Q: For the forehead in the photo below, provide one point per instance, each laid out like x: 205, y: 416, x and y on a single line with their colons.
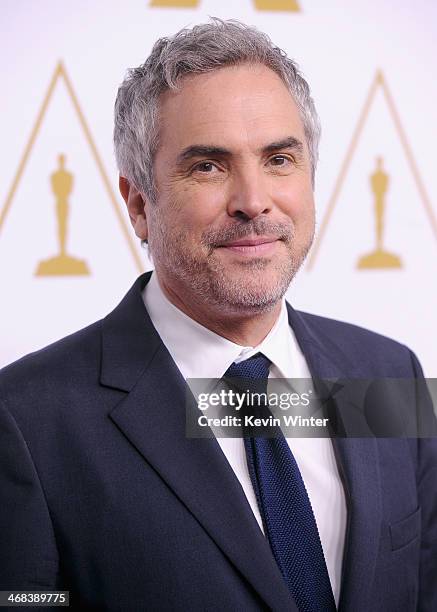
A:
x: 237, y: 107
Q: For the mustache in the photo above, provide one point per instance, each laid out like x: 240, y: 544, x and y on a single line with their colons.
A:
x: 258, y: 227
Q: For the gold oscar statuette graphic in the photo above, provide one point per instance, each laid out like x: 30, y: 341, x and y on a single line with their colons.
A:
x: 379, y: 258
x: 261, y: 5
x: 62, y: 264
x: 277, y: 5
x: 379, y: 183
x: 62, y: 185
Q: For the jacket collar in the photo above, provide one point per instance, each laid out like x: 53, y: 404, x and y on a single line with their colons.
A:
x: 129, y: 340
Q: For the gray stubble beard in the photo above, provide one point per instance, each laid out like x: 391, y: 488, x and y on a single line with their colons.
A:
x: 207, y: 279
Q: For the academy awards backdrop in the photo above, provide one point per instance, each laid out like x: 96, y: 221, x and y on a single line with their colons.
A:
x: 67, y: 252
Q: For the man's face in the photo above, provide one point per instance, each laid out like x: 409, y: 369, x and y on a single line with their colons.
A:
x: 234, y: 216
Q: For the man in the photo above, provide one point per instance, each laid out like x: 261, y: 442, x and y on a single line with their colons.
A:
x: 103, y: 494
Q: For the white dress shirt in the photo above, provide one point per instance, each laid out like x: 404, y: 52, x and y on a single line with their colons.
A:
x: 200, y: 353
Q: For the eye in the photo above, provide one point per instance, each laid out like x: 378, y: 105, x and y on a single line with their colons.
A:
x: 280, y: 161
x: 205, y: 167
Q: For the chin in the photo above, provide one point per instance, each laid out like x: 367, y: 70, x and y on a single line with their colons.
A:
x: 250, y: 307
x: 238, y: 295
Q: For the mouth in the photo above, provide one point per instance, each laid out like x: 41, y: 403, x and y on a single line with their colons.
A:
x: 258, y: 245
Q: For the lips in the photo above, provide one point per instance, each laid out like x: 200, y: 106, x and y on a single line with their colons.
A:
x: 251, y: 242
x: 258, y: 245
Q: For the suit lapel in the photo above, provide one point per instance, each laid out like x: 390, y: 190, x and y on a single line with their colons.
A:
x: 358, y: 464
x: 152, y: 416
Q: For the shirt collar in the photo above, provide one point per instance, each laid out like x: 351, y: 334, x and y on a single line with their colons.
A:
x: 201, y: 353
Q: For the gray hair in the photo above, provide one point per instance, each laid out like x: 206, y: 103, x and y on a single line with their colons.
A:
x: 203, y: 48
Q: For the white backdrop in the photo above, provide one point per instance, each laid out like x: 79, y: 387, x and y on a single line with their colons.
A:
x: 340, y: 45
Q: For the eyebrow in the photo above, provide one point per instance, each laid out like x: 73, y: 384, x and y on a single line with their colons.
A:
x: 201, y: 150
x: 287, y: 143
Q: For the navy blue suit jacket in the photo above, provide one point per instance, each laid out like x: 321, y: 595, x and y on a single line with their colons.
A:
x: 102, y: 493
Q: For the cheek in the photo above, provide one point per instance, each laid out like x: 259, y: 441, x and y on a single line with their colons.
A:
x: 296, y: 202
x: 199, y: 208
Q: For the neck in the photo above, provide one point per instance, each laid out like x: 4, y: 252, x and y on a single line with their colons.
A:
x: 246, y: 328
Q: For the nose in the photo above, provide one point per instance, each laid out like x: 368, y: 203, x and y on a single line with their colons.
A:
x: 249, y: 195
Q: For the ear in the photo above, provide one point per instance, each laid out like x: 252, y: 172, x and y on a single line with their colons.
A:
x: 136, y: 206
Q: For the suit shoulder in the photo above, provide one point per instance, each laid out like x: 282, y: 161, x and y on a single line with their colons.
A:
x: 63, y: 360
x: 374, y: 350
x: 350, y: 331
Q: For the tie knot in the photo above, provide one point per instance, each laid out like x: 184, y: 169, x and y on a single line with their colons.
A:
x: 255, y: 367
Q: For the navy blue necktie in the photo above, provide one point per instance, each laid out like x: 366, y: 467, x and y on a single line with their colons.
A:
x: 284, y: 505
